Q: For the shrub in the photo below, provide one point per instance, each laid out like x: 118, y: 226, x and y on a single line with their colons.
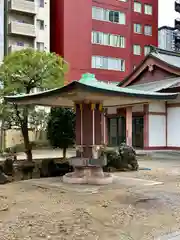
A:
x: 123, y: 159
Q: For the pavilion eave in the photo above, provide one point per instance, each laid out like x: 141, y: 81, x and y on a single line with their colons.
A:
x: 88, y: 89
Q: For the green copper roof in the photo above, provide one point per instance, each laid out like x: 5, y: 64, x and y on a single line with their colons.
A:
x: 89, y: 84
x: 90, y: 80
x: 156, y: 85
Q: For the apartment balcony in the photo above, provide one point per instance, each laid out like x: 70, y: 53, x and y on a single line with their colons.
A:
x: 177, y: 6
x: 23, y: 6
x: 177, y: 23
x: 13, y: 48
x: 20, y: 28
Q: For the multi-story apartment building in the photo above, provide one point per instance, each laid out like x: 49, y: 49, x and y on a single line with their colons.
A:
x: 1, y: 30
x: 166, y: 38
x: 105, y: 37
x: 169, y: 37
x: 26, y: 24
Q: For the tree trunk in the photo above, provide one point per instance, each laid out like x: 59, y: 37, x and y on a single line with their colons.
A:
x: 25, y: 133
x: 27, y: 144
x: 64, y: 153
x: 2, y: 135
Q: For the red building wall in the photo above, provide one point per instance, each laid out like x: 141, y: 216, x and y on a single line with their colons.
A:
x: 71, y: 27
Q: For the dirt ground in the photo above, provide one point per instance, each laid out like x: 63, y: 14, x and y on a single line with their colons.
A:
x: 48, y: 209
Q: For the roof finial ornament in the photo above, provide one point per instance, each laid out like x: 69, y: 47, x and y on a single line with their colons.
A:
x: 150, y: 67
x: 87, y: 77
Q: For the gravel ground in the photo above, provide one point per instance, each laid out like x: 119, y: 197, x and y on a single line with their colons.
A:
x: 35, y: 210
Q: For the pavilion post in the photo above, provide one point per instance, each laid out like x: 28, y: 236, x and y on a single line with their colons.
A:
x: 93, y: 124
x: 129, y: 126
x: 81, y: 128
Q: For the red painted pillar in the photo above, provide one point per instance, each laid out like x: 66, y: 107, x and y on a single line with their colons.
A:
x: 104, y: 123
x: 129, y: 126
x: 88, y: 127
x: 146, y: 126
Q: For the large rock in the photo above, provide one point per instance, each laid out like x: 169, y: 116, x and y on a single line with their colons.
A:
x: 50, y: 168
x: 113, y: 160
x: 8, y: 167
x: 128, y: 157
x: 123, y: 159
x: 25, y: 168
x: 3, y: 177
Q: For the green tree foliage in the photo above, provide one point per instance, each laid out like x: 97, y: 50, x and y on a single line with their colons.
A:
x: 61, y: 128
x: 23, y: 72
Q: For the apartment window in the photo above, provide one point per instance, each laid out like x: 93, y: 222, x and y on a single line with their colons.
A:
x: 98, y: 13
x: 41, y: 3
x: 108, y: 39
x: 20, y: 44
x: 137, y: 7
x: 137, y: 28
x: 108, y: 63
x: 148, y: 30
x: 136, y: 49
x: 147, y: 50
x: 148, y: 9
x: 40, y: 46
x: 97, y: 38
x: 20, y: 21
x: 40, y: 24
x: 108, y: 15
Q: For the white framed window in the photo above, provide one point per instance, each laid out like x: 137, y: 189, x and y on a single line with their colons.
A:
x: 40, y: 24
x: 137, y: 28
x: 136, y: 49
x: 137, y: 7
x: 97, y: 37
x: 108, y: 39
x: 148, y: 30
x: 108, y: 63
x: 20, y: 44
x: 40, y: 46
x: 148, y: 9
x: 147, y: 50
x: 98, y: 13
x: 41, y: 3
x: 108, y: 15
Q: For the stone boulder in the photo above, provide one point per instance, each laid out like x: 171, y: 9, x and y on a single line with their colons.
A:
x: 113, y: 160
x: 3, y: 177
x: 124, y: 159
x: 8, y: 167
x: 128, y: 157
x: 50, y: 168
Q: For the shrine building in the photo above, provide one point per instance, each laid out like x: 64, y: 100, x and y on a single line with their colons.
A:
x: 143, y: 110
x: 155, y: 125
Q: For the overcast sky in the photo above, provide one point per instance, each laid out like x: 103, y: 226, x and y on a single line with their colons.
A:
x: 167, y: 13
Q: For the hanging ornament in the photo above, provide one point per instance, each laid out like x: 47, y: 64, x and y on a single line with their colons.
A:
x: 74, y: 108
x: 100, y: 107
x: 93, y: 105
x: 81, y: 106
